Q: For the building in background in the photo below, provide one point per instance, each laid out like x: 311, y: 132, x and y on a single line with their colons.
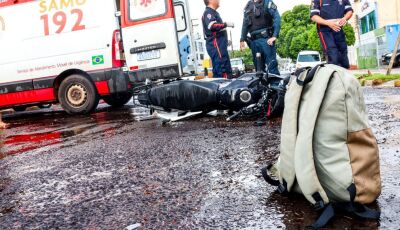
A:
x: 200, y: 49
x: 377, y: 24
x: 201, y: 53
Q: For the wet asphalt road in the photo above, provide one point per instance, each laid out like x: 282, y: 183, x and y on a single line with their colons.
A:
x: 108, y: 171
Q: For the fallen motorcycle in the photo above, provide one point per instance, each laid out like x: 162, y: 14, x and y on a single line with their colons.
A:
x: 251, y: 95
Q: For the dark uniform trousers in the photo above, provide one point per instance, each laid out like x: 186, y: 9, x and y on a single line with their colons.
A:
x: 335, y: 46
x: 217, y: 49
x: 268, y: 55
x: 217, y: 43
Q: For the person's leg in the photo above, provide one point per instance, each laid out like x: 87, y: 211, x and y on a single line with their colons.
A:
x: 340, y: 39
x: 212, y: 52
x: 329, y: 46
x: 225, y: 59
x: 254, y: 53
x: 270, y: 58
x: 258, y: 48
x: 216, y: 62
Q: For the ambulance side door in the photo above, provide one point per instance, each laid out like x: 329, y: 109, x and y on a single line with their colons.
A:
x: 150, y: 39
x: 185, y: 36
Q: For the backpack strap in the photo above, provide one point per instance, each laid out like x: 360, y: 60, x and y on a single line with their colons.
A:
x: 285, y: 166
x: 267, y: 177
x: 357, y: 210
x: 305, y: 170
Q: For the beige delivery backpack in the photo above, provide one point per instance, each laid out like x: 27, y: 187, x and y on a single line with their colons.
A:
x: 328, y: 151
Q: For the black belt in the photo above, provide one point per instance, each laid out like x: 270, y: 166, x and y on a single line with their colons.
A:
x: 257, y: 36
x: 261, y: 34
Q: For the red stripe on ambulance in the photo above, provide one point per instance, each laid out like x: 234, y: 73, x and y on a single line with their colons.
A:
x: 26, y: 97
x: 102, y: 87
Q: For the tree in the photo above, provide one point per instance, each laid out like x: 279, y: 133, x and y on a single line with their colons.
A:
x: 245, y: 54
x: 299, y: 33
x: 350, y: 35
x: 293, y: 36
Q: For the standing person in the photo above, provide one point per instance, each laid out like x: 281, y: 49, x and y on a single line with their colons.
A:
x: 263, y: 22
x: 331, y: 16
x: 217, y: 39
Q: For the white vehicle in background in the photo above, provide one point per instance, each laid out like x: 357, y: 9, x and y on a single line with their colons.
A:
x: 238, y: 63
x: 76, y: 52
x: 308, y: 59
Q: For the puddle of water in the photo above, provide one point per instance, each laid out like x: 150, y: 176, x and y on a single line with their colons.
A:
x: 54, y: 130
x: 18, y: 144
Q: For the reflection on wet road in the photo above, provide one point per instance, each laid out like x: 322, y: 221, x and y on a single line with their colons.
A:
x: 41, y: 130
x: 108, y: 171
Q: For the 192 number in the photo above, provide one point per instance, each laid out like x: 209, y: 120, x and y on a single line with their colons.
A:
x: 60, y: 20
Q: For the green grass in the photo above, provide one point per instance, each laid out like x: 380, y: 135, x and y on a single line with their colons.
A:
x: 383, y: 77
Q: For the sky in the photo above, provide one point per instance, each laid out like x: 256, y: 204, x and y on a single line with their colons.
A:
x: 232, y: 11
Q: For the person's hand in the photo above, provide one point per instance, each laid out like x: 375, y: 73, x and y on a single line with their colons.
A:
x: 334, y: 25
x: 230, y: 24
x: 342, y: 22
x: 242, y: 46
x: 271, y: 41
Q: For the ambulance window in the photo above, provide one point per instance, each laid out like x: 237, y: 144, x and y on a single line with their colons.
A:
x: 180, y: 18
x: 145, y: 9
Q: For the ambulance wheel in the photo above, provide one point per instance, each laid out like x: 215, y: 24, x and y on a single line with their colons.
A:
x: 78, y: 95
x: 20, y: 108
x: 118, y: 100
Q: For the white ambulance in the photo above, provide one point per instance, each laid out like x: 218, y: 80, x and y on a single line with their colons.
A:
x: 76, y: 52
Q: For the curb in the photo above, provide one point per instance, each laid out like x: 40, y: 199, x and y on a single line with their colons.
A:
x: 380, y: 84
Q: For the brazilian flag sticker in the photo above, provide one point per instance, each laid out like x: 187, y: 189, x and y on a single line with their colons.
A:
x: 98, y: 60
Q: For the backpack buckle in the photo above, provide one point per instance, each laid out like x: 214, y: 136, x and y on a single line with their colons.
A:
x: 282, y: 188
x: 319, y: 202
x: 319, y: 205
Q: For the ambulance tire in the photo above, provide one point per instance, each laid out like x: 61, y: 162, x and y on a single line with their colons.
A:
x: 78, y: 95
x: 119, y: 100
